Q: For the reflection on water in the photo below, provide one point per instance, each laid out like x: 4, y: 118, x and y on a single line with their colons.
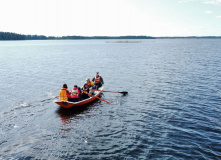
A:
x: 65, y: 125
x: 67, y: 115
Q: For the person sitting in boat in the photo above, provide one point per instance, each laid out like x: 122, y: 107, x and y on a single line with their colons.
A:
x: 85, y: 88
x: 91, y: 90
x: 79, y: 92
x: 98, y: 80
x: 64, y: 94
x: 89, y: 82
x: 74, y: 94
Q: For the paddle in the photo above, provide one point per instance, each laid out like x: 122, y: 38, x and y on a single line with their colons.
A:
x: 124, y: 92
x: 96, y: 97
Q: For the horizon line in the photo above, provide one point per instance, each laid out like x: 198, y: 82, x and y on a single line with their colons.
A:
x: 193, y: 36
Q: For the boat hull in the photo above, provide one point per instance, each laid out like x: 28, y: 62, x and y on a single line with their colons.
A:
x: 68, y: 104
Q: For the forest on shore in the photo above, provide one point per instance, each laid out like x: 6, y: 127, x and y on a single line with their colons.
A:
x: 15, y: 36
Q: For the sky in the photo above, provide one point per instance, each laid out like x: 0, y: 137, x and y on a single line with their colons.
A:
x: 111, y: 17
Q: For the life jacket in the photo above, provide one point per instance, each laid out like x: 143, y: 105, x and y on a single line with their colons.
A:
x: 63, y: 95
x: 74, y: 92
x: 91, y: 83
x: 74, y: 96
x: 97, y: 79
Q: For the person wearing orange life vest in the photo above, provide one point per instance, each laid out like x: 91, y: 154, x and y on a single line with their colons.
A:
x: 98, y: 80
x: 64, y: 94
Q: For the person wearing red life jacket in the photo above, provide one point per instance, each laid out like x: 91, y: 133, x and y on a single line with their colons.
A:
x: 75, y: 93
x: 98, y: 80
x: 64, y: 94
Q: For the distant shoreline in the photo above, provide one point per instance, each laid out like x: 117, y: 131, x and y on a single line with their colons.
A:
x: 191, y: 37
x: 14, y: 36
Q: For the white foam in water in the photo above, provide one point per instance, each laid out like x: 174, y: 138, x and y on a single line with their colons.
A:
x: 24, y: 104
x: 50, y: 95
x: 15, y: 126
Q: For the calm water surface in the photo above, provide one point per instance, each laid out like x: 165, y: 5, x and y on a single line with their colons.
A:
x: 172, y: 111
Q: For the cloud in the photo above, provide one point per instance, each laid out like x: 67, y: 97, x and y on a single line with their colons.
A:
x: 198, y: 27
x: 185, y: 1
x: 208, y: 12
x: 209, y: 2
x: 212, y: 2
x: 218, y: 16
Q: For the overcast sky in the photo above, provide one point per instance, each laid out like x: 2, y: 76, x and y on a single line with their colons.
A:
x: 111, y: 17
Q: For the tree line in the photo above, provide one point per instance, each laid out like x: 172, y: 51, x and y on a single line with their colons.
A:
x: 15, y: 36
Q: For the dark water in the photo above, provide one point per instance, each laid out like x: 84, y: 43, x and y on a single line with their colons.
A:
x: 172, y: 111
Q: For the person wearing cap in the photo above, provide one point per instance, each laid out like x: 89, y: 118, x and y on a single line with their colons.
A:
x: 98, y: 80
x: 64, y: 94
x: 89, y: 83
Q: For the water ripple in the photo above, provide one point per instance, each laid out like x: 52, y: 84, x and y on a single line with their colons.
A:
x: 172, y: 110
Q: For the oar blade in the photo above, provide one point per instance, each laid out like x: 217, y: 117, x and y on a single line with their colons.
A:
x: 124, y: 93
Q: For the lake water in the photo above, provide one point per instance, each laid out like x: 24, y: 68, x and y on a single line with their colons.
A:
x: 172, y: 110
